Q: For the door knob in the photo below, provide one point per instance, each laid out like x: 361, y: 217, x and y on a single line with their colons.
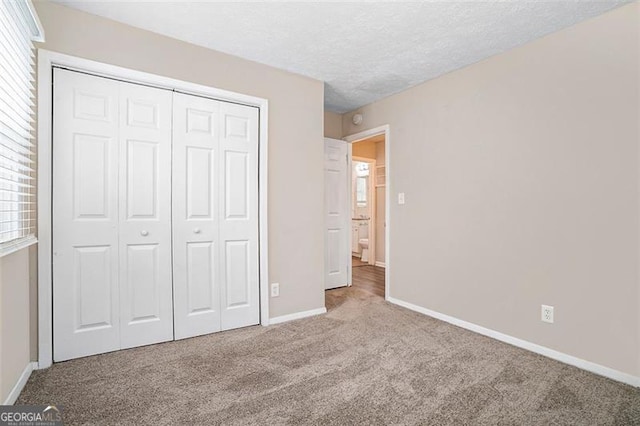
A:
x: 144, y: 233
x: 196, y: 231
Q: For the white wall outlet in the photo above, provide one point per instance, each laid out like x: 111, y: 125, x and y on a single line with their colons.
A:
x: 401, y: 198
x: 546, y: 314
x: 275, y: 289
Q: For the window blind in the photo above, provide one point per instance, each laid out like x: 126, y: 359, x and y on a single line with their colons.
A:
x: 18, y: 28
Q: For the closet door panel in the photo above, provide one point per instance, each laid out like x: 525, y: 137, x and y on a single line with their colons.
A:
x: 239, y: 215
x: 85, y: 216
x: 146, y: 303
x: 196, y: 246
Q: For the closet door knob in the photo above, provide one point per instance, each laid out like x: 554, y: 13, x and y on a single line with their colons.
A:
x: 144, y: 233
x: 196, y: 231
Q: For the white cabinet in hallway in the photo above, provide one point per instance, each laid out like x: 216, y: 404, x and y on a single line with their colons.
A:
x: 155, y: 215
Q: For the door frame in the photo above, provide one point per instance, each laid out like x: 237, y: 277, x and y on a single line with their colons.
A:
x: 47, y: 60
x: 366, y: 134
x: 372, y: 204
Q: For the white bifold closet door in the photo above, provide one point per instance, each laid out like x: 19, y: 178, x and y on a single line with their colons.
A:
x: 215, y: 215
x: 111, y: 215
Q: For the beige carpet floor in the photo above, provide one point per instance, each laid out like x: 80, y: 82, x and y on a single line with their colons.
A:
x: 365, y: 362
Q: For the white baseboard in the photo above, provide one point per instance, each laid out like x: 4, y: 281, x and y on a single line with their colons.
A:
x: 541, y: 350
x: 380, y: 264
x: 22, y: 380
x: 297, y: 315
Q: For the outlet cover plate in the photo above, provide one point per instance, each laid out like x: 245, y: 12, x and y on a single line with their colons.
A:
x: 546, y: 314
x: 275, y: 289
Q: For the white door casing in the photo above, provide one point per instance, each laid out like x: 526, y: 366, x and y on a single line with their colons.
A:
x: 337, y: 213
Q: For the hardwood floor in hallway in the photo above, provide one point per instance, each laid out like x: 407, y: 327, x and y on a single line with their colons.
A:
x: 370, y: 279
x: 355, y: 262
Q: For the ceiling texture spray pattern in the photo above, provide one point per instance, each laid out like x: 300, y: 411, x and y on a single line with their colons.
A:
x: 363, y: 51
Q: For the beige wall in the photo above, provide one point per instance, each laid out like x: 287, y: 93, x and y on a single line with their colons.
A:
x: 332, y: 125
x: 521, y: 182
x: 295, y: 133
x: 364, y: 149
x: 14, y: 319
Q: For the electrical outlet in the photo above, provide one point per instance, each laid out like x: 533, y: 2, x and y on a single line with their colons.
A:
x: 275, y: 289
x: 401, y: 198
x: 547, y: 314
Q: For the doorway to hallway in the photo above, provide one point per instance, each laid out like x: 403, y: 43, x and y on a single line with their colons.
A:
x: 356, y: 208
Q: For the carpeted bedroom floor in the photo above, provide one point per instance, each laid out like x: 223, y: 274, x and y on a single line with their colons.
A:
x: 364, y: 362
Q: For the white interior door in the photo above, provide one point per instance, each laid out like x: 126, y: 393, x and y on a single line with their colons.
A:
x: 337, y: 213
x: 146, y: 305
x: 240, y: 298
x: 196, y: 243
x: 111, y: 215
x: 86, y: 294
x: 215, y: 218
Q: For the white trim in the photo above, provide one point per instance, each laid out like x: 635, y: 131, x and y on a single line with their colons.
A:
x: 380, y: 264
x: 387, y: 199
x: 350, y: 224
x: 46, y: 61
x: 263, y: 185
x: 22, y: 380
x: 298, y: 315
x: 532, y: 347
x: 39, y: 37
x: 17, y: 245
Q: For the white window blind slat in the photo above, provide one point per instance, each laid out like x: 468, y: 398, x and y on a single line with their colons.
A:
x: 14, y: 20
x: 14, y: 81
x: 23, y: 21
x: 22, y: 122
x: 24, y: 131
x: 13, y: 174
x: 7, y: 96
x: 16, y: 165
x: 9, y: 47
x: 10, y: 40
x: 14, y: 184
x: 8, y: 155
x: 10, y: 193
x: 16, y: 145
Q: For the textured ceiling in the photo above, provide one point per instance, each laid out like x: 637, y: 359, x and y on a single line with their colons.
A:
x: 363, y: 51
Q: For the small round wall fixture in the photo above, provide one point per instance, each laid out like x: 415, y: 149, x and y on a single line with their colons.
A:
x: 357, y: 119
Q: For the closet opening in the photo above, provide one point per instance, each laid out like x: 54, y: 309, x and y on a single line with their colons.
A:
x: 157, y: 190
